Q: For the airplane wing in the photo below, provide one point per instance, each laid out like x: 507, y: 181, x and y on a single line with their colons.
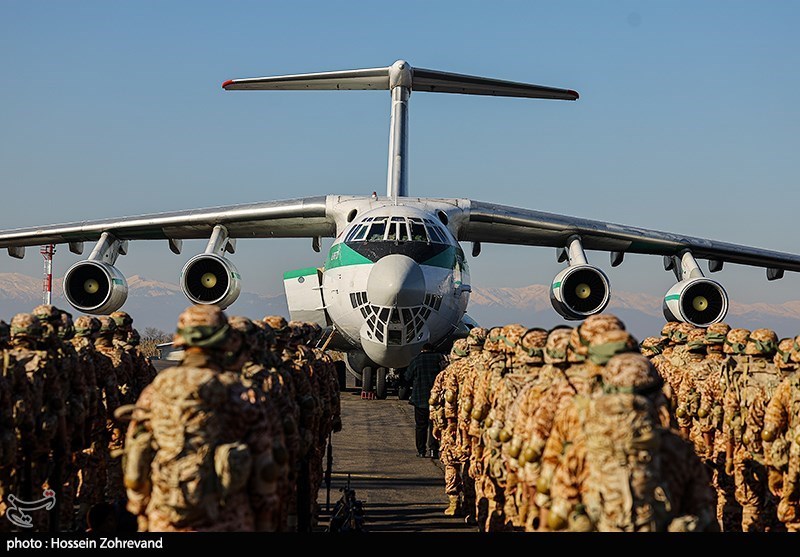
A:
x: 305, y: 217
x: 493, y: 223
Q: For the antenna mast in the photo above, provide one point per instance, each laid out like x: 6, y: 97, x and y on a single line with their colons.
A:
x: 47, y: 286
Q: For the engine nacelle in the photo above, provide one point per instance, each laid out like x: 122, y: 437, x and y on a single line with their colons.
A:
x: 698, y: 301
x: 95, y: 287
x: 580, y: 291
x: 210, y: 279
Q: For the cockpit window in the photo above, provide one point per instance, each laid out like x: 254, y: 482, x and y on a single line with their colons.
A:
x: 397, y: 229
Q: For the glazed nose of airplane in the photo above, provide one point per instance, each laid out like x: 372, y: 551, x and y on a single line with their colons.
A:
x: 396, y: 280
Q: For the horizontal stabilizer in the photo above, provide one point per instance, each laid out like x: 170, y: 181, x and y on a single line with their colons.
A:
x: 432, y: 81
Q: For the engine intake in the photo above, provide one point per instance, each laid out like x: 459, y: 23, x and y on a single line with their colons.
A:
x: 698, y: 301
x: 580, y: 291
x: 210, y: 279
x: 95, y: 287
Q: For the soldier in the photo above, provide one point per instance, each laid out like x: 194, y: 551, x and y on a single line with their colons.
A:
x: 782, y: 433
x: 527, y: 362
x: 198, y: 451
x: 38, y: 432
x: 658, y: 489
x: 653, y: 346
x: 8, y: 433
x: 92, y: 459
x: 129, y: 375
x: 114, y: 368
x: 144, y: 368
x: 755, y: 379
x: 688, y: 395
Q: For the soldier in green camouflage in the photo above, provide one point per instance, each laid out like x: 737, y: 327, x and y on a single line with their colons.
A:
x: 198, y: 450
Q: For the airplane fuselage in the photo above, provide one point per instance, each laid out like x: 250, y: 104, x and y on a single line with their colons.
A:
x: 395, y: 278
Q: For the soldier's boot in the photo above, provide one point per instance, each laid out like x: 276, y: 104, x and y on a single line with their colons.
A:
x: 454, y: 507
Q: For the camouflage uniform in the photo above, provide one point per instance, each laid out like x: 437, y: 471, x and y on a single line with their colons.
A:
x: 127, y: 373
x: 659, y: 488
x: 581, y: 377
x: 527, y: 362
x: 688, y: 394
x: 781, y: 434
x: 754, y: 380
x: 198, y: 454
x: 115, y: 368
x: 39, y: 432
x: 671, y: 367
x: 8, y: 433
x: 91, y: 461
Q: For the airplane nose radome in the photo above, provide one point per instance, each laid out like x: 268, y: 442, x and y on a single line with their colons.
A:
x: 396, y: 280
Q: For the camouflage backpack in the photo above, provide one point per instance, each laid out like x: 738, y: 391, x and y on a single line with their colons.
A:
x: 194, y: 469
x: 624, y: 490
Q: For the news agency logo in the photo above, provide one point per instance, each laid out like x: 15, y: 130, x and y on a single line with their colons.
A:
x: 17, y: 508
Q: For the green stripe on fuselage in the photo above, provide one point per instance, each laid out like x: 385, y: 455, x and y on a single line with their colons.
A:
x: 300, y: 273
x: 341, y: 256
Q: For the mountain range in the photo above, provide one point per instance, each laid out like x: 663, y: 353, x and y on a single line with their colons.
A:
x: 157, y: 304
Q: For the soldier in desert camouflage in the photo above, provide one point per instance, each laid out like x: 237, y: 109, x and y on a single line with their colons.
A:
x: 198, y: 451
x: 754, y: 380
x: 527, y: 362
x: 8, y: 433
x: 781, y: 434
x: 40, y: 430
x: 659, y: 489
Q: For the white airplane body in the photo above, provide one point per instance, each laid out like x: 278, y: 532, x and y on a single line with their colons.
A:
x: 395, y: 276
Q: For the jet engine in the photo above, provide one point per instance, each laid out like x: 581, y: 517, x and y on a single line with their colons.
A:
x: 580, y: 291
x: 210, y: 279
x: 698, y: 301
x: 95, y: 287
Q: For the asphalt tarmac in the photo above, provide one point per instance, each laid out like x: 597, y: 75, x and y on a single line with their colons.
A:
x: 400, y: 492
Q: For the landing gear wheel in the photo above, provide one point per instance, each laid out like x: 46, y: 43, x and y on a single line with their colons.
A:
x: 366, y: 379
x: 380, y: 383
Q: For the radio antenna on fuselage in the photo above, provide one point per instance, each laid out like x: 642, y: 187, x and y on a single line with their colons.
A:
x: 400, y: 79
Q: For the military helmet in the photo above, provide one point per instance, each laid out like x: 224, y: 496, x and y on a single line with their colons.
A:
x: 783, y: 354
x: 530, y: 347
x: 26, y: 325
x: 555, y: 348
x: 203, y: 326
x: 134, y: 338
x: 107, y: 325
x: 696, y: 340
x: 123, y: 320
x: 86, y: 325
x: 297, y: 331
x: 280, y: 327
x: 608, y: 344
x: 653, y: 346
x: 242, y: 324
x: 630, y: 373
x: 583, y: 334
x: 669, y: 326
x: 494, y: 337
x: 477, y: 336
x: 510, y: 337
x: 716, y: 333
x: 735, y: 341
x: 762, y: 342
x: 796, y: 350
x: 47, y: 312
x: 680, y: 333
x: 459, y: 350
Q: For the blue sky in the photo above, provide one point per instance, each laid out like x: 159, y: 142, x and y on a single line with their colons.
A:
x: 688, y: 121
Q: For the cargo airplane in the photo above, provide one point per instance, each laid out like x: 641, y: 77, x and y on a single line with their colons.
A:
x: 395, y: 276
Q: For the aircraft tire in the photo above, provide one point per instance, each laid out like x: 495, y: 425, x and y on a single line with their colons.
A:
x: 380, y: 383
x: 366, y: 379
